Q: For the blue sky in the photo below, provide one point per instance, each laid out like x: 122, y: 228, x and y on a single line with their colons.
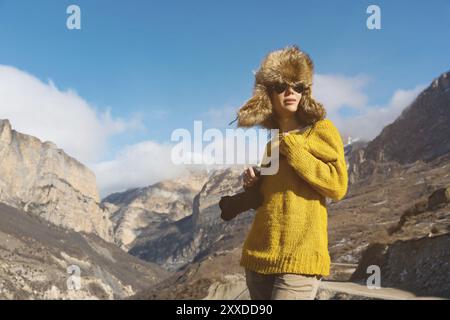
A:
x: 172, y: 62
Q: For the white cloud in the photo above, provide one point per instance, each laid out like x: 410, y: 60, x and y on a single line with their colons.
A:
x: 148, y: 162
x: 220, y: 117
x: 42, y: 110
x: 338, y: 91
x: 335, y: 91
x: 372, y: 119
x: 136, y: 165
x: 63, y: 117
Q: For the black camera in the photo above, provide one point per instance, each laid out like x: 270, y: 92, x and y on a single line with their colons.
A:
x: 251, y: 198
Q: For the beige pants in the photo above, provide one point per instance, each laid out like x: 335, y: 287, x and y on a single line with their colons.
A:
x: 281, y: 286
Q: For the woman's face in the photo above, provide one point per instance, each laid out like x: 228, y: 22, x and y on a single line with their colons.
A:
x: 285, y: 103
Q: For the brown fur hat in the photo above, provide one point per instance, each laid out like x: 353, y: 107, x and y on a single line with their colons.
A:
x: 290, y: 65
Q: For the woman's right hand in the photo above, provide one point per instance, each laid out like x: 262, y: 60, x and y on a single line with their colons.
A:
x: 250, y: 177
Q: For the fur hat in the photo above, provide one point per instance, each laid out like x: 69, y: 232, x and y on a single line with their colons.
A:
x: 290, y: 65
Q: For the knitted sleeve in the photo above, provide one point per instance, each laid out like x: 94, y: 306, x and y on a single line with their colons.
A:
x: 319, y: 159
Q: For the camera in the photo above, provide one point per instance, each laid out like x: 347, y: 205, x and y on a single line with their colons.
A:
x: 251, y: 198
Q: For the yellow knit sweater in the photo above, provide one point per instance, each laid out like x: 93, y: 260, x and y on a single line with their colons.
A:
x: 289, y: 230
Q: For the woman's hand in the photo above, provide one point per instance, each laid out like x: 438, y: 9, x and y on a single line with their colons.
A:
x: 250, y: 177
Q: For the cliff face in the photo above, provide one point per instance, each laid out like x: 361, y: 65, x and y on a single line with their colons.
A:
x: 36, y: 257
x: 417, y: 265
x: 421, y: 132
x: 175, y: 244
x: 416, y: 255
x: 42, y: 180
x: 146, y: 209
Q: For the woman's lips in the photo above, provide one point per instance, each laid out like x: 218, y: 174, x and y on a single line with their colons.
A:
x: 289, y: 101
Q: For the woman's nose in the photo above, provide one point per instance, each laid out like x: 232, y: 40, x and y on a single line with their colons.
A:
x: 289, y: 89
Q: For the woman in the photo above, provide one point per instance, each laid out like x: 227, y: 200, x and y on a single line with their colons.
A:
x: 285, y: 253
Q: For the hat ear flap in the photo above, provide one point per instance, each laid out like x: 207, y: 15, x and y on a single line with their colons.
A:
x: 256, y: 110
x: 310, y: 109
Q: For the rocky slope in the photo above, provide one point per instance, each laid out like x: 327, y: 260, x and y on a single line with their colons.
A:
x: 421, y: 132
x: 416, y: 257
x: 41, y: 179
x: 417, y: 265
x: 146, y: 209
x: 178, y: 243
x: 36, y: 257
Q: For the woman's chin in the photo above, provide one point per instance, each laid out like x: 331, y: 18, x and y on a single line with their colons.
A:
x: 290, y: 107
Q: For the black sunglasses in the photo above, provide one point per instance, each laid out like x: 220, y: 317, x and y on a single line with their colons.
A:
x: 282, y: 86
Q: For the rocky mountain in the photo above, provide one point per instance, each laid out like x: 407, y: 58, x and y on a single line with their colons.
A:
x: 146, y: 209
x: 396, y: 215
x: 421, y: 132
x: 204, y: 251
x: 39, y: 260
x: 416, y: 256
x: 176, y: 244
x: 41, y: 179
